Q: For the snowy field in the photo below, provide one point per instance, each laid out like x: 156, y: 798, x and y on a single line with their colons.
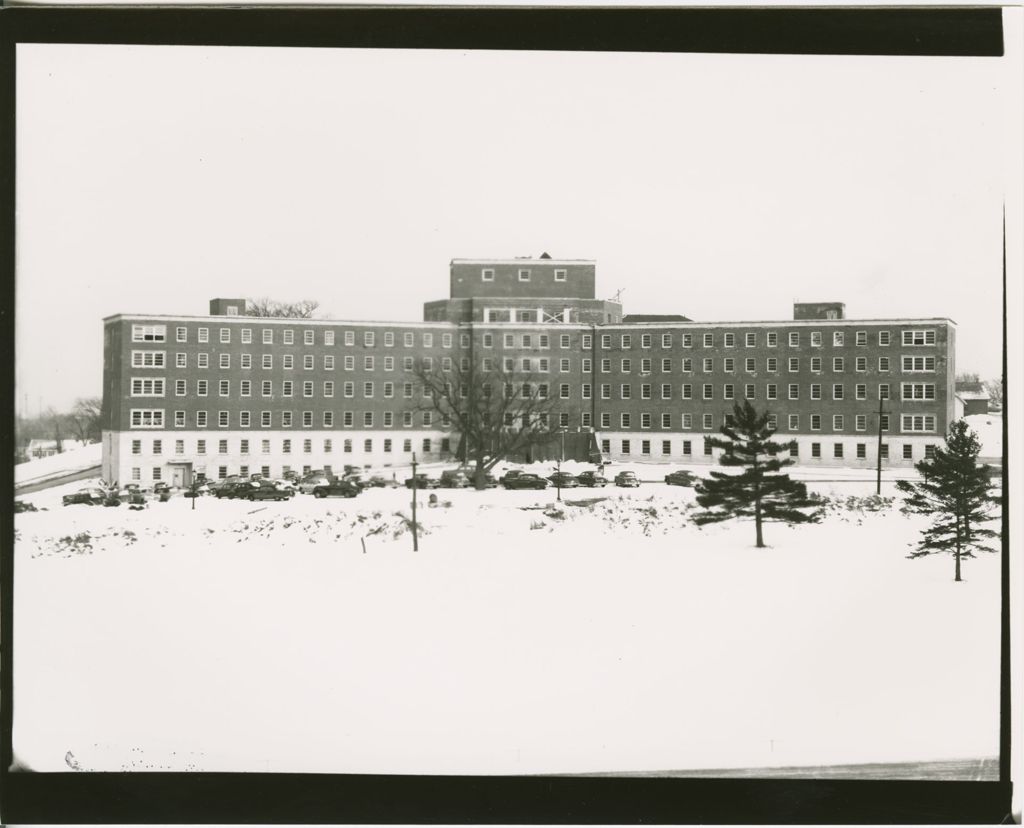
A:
x: 522, y: 637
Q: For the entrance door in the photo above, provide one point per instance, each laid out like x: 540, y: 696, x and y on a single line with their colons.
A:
x: 178, y: 477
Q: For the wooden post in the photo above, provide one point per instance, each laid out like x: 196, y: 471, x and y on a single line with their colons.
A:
x: 415, y: 540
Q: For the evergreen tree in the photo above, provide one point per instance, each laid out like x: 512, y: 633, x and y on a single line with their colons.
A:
x: 956, y: 494
x: 759, y: 490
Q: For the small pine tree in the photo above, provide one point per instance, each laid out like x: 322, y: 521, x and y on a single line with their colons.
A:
x: 956, y: 493
x: 759, y: 491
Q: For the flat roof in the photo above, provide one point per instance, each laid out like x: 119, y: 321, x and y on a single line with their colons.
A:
x: 524, y: 261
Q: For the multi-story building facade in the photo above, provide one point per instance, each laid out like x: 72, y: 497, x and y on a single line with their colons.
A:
x: 233, y: 394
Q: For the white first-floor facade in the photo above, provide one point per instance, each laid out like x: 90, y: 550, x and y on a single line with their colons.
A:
x: 178, y: 457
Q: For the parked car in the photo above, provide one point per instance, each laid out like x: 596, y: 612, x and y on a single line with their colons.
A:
x: 511, y: 474
x: 284, y: 484
x: 90, y: 497
x: 266, y: 490
x: 592, y: 479
x: 454, y: 479
x: 235, y: 489
x: 564, y: 479
x: 291, y: 475
x: 490, y: 480
x: 161, y: 486
x: 336, y: 488
x: 423, y: 482
x: 379, y: 481
x: 681, y: 478
x: 526, y: 481
x: 627, y: 479
x: 311, y: 481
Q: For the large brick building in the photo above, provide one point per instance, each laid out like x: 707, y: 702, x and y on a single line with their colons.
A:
x: 229, y: 393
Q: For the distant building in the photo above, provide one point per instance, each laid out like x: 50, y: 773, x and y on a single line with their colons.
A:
x: 231, y: 394
x: 47, y: 448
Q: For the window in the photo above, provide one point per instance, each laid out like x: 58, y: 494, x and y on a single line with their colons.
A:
x: 288, y: 361
x: 709, y: 393
x: 838, y: 364
x: 815, y: 449
x: 148, y: 359
x: 771, y: 391
x: 885, y: 422
x: 307, y: 388
x: 917, y: 364
x: 687, y: 391
x: 606, y: 420
x: 666, y: 420
x: 244, y: 419
x: 837, y: 341
x: 222, y: 419
x: 627, y: 366
x: 247, y: 360
x: 625, y: 447
x: 625, y: 391
x: 908, y: 451
x: 687, y: 420
x: 837, y: 392
x: 815, y: 391
x: 624, y: 419
x: 204, y: 334
x: 147, y: 386
x: 289, y: 337
x: 368, y: 363
x: 730, y: 340
x: 687, y: 447
x: 794, y: 391
x: 268, y: 336
x: 286, y: 419
x: 157, y: 472
x: 645, y: 366
x: 369, y: 339
x: 917, y: 422
x: 687, y: 366
x: 585, y: 390
x: 666, y: 366
x: 729, y: 365
x: 627, y: 341
x: 794, y: 364
x: 750, y: 339
x: 883, y: 363
x: 883, y: 391
x: 727, y: 391
x: 884, y: 338
x: 225, y: 335
x: 687, y: 340
x: 181, y: 334
x: 150, y: 333
x: 606, y: 391
x: 837, y: 450
x: 666, y: 391
x: 794, y: 339
x: 446, y: 340
x: 709, y: 340
x: 929, y: 452
x: 707, y: 422
x: 267, y: 388
x: 862, y: 451
x: 749, y: 365
x: 917, y: 391
x: 268, y: 361
x: 487, y: 274
x: 265, y: 419
x: 307, y: 362
x: 179, y: 419
x: 201, y: 387
x: 815, y: 422
x: 307, y: 419
x: 559, y: 275
x: 861, y: 391
x: 708, y: 365
x: 181, y: 361
x: 666, y: 340
x: 748, y: 391
x: 771, y: 339
x: 919, y: 337
x: 860, y: 422
x: 885, y: 451
x: 816, y: 365
x: 815, y: 339
x: 286, y: 446
x: 587, y: 342
x: 224, y: 388
x: 837, y: 422
x: 861, y: 364
x: 862, y: 338
x: 585, y: 419
x: 794, y: 422
x: 645, y: 391
x: 524, y: 275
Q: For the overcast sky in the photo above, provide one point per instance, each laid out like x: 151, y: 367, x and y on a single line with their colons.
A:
x: 151, y: 179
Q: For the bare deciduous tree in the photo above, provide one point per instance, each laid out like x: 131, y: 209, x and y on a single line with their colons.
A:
x: 263, y: 306
x: 497, y: 413
x: 84, y: 418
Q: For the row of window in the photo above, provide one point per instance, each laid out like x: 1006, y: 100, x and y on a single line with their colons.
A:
x: 157, y: 387
x: 246, y: 446
x: 158, y: 333
x: 487, y: 274
x: 157, y: 359
x: 142, y: 418
x: 838, y: 449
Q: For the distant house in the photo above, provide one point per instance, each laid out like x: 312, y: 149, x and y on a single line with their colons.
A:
x: 47, y: 448
x: 971, y: 402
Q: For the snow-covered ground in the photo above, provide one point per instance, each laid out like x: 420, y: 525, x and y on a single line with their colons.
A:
x: 73, y: 460
x: 522, y: 637
x: 989, y: 428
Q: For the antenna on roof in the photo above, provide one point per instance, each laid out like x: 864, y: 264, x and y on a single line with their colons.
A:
x: 617, y: 298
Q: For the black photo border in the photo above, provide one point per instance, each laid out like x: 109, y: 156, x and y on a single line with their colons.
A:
x: 322, y: 798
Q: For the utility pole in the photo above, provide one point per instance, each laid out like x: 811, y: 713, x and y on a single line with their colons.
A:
x: 881, y: 411
x: 415, y: 541
x: 561, y: 458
